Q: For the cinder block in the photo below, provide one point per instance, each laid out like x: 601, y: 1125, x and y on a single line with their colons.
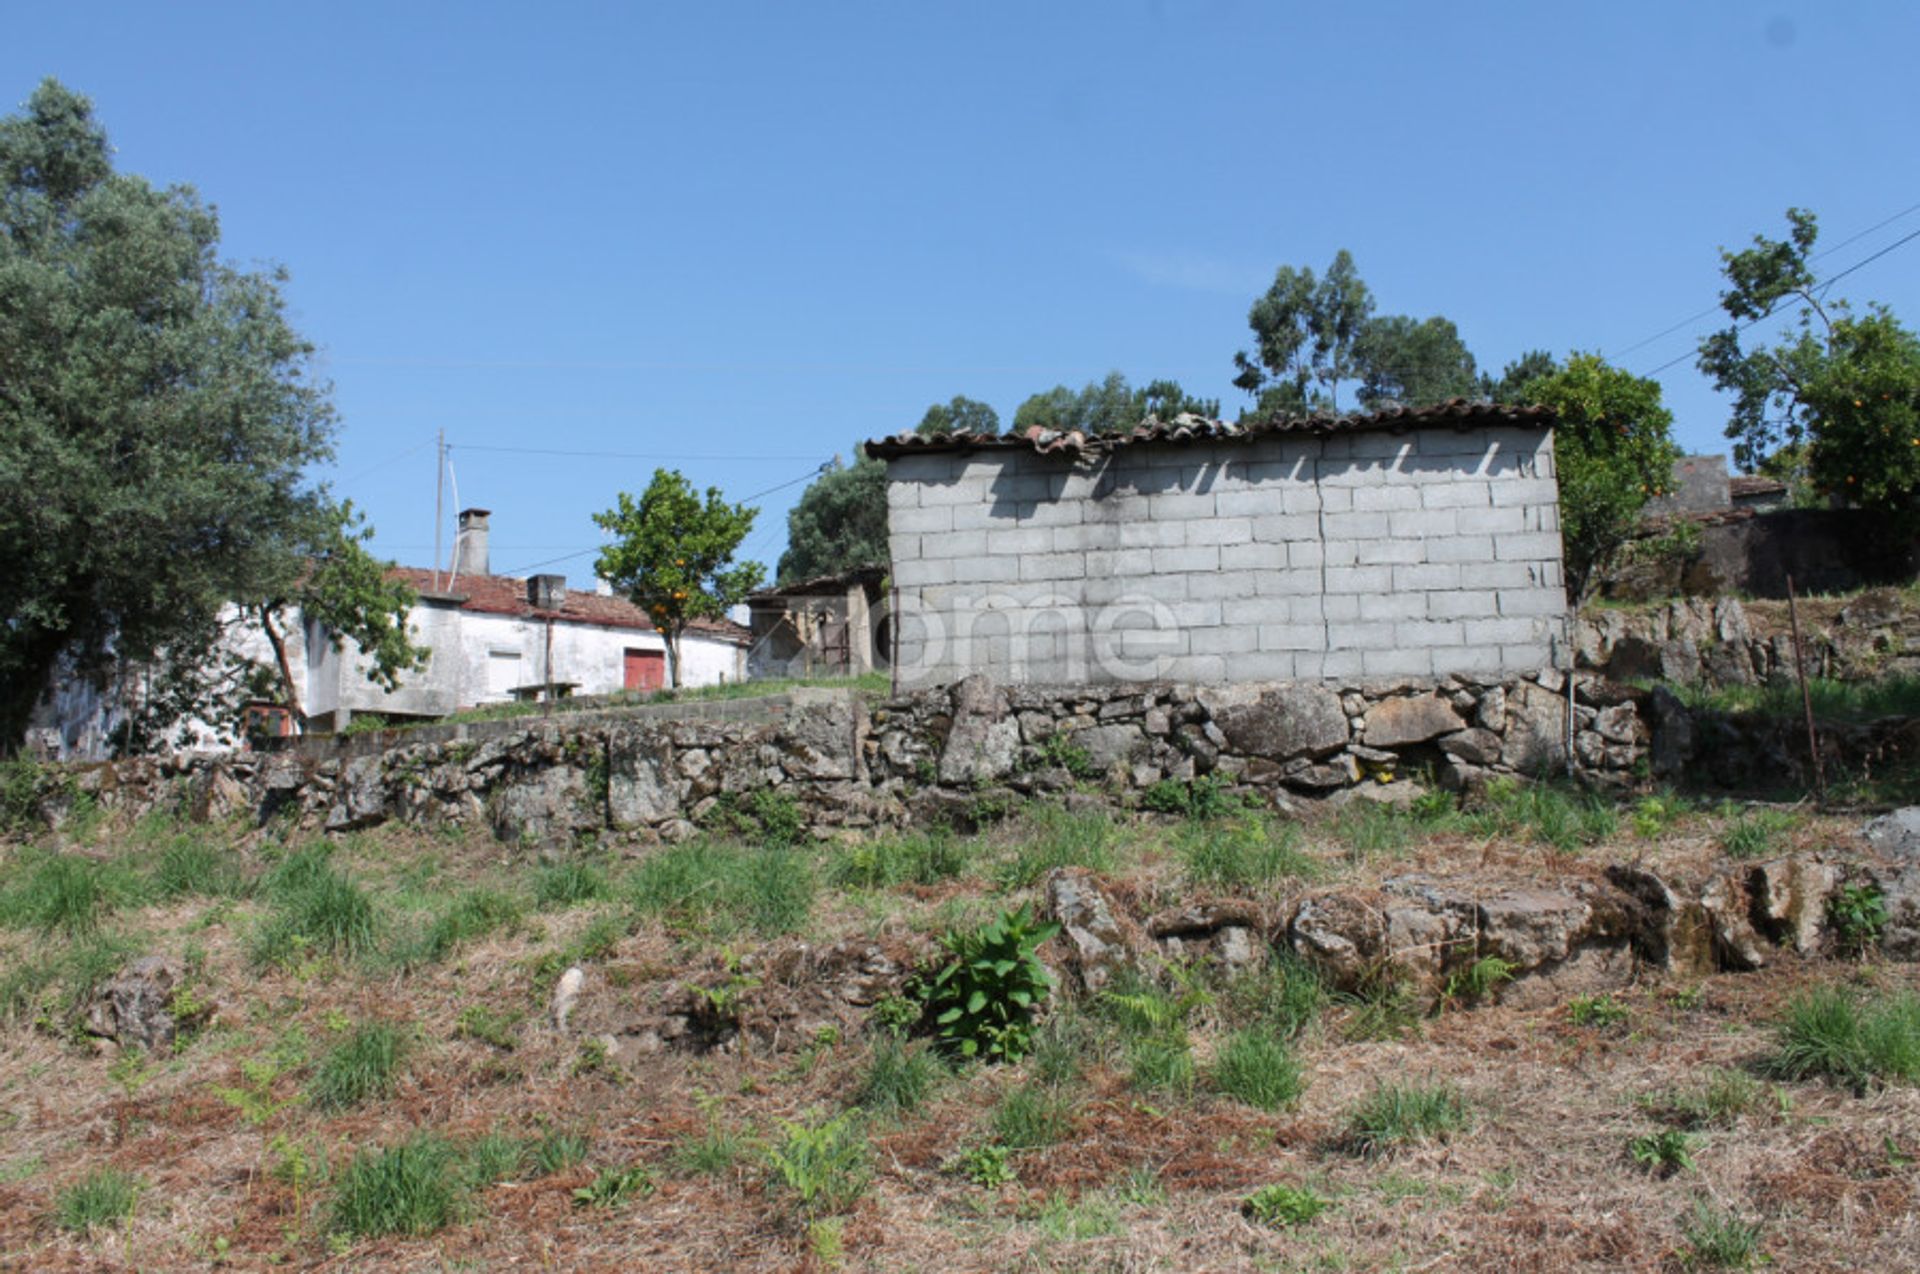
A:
x: 916, y: 574
x: 1231, y: 639
x: 980, y: 517
x: 1309, y: 610
x: 1497, y: 575
x: 1390, y: 552
x: 1515, y: 491
x: 1508, y: 521
x: 1463, y: 604
x: 1531, y: 546
x: 1380, y: 444
x: 1111, y: 590
x: 1335, y: 552
x: 1289, y: 583
x: 1220, y: 530
x: 1191, y: 614
x: 1254, y: 611
x: 918, y: 521
x: 1500, y: 632
x: 1392, y: 606
x: 1246, y: 502
x: 1051, y: 512
x: 1397, y: 663
x: 1053, y: 566
x: 1227, y: 582
x: 1429, y: 633
x: 1532, y: 601
x: 1451, y: 442
x: 1088, y: 535
x: 1180, y: 506
x: 965, y: 491
x: 1461, y: 494
x: 1426, y: 578
x: 1342, y: 608
x: 902, y: 495
x: 1153, y: 535
x: 1336, y: 499
x: 1253, y: 557
x: 1337, y: 663
x: 903, y: 548
x: 1390, y: 498
x: 1020, y: 541
x: 1460, y: 548
x: 1204, y: 557
x: 1355, y: 526
x: 1451, y: 659
x: 1304, y: 499
x: 1543, y: 517
x: 1527, y: 655
x: 1358, y: 579
x: 1423, y: 522
x: 1196, y: 669
x: 1310, y: 553
x: 1361, y: 636
x: 1293, y: 637
x: 1285, y: 528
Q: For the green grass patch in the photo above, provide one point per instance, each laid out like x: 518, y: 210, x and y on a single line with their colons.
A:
x: 366, y: 1065
x: 899, y: 1076
x: 1396, y: 1115
x: 558, y: 1151
x: 1840, y: 702
x: 1756, y: 835
x: 1032, y: 1116
x: 1247, y: 853
x: 65, y: 893
x: 570, y: 884
x: 1284, y: 996
x: 1283, y: 1206
x: 921, y: 858
x: 103, y: 1199
x: 1047, y: 837
x: 1858, y: 1043
x: 1258, y: 1068
x: 1717, y: 1239
x: 720, y: 889
x: 1567, y: 819
x: 414, y: 1187
x: 189, y: 867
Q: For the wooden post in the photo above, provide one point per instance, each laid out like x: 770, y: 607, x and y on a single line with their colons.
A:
x: 1806, y: 696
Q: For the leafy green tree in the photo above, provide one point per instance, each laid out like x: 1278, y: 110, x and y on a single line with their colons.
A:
x: 1412, y: 362
x: 959, y: 415
x: 1305, y: 332
x: 839, y: 523
x: 1109, y: 405
x: 1836, y: 401
x: 673, y: 555
x: 1510, y: 385
x: 157, y: 414
x: 1613, y: 449
x: 335, y: 582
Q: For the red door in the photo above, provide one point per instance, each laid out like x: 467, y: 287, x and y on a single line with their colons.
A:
x: 646, y: 669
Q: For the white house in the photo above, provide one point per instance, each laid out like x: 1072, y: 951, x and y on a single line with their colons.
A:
x: 490, y: 638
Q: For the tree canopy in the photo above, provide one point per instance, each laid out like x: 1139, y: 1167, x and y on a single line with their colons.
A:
x: 1109, y: 405
x: 960, y: 415
x: 839, y: 523
x: 1836, y: 400
x: 673, y: 556
x: 1314, y: 334
x: 1613, y: 450
x: 157, y: 414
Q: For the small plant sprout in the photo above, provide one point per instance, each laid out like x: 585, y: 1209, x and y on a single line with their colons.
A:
x: 1283, y: 1206
x: 990, y: 1166
x: 1596, y: 1011
x: 614, y: 1187
x: 1663, y: 1153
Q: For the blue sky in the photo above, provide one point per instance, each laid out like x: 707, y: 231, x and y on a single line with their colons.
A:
x: 733, y: 239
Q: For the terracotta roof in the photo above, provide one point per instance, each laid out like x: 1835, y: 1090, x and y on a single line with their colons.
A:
x: 825, y: 584
x: 1752, y: 485
x: 1455, y: 413
x: 506, y: 595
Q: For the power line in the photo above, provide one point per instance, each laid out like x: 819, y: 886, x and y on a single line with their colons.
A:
x: 1712, y: 309
x: 1822, y: 285
x: 422, y: 445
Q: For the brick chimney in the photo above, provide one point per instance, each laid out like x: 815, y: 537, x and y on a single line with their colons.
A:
x: 547, y: 592
x: 470, y: 546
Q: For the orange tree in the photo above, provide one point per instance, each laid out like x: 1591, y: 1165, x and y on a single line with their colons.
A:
x: 673, y: 556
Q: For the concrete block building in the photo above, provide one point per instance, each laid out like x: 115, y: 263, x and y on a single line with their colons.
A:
x: 1406, y: 542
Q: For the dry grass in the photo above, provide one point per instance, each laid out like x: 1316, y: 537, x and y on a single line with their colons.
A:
x: 238, y: 1165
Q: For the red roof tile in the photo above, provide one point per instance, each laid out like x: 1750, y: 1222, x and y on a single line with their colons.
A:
x: 506, y: 595
x: 1455, y: 413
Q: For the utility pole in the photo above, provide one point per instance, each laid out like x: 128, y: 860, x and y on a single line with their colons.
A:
x: 439, y: 481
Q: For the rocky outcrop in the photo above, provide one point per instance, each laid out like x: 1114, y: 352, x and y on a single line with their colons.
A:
x: 1096, y: 943
x: 144, y: 1005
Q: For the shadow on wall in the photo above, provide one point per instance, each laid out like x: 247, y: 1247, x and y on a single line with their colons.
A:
x: 1824, y: 550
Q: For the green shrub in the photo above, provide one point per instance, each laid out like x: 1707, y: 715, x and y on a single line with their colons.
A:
x: 105, y: 1197
x: 777, y: 890
x: 614, y: 1187
x: 367, y: 1064
x: 1281, y: 1206
x: 1258, y: 1068
x: 1395, y: 1115
x: 1857, y: 914
x: 983, y: 999
x: 1208, y: 796
x: 1381, y: 1007
x: 1718, y: 1238
x: 824, y: 1163
x: 990, y: 1166
x: 570, y: 884
x: 1031, y: 1116
x: 1665, y: 1152
x: 1827, y: 1034
x: 1060, y: 751
x: 1242, y: 853
x: 1596, y: 1011
x: 1161, y: 1064
x: 898, y: 1078
x: 1370, y: 829
x: 22, y: 781
x: 780, y: 818
x: 414, y: 1187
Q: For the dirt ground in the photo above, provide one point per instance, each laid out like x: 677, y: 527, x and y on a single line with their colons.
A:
x: 237, y: 1166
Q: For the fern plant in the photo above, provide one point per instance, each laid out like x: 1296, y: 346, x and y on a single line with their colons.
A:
x: 983, y: 999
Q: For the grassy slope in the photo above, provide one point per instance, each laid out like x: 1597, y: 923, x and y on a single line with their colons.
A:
x: 242, y: 1141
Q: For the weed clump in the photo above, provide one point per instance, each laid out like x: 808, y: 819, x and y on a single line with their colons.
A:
x: 413, y: 1187
x: 983, y: 998
x: 101, y: 1199
x: 570, y: 884
x: 1281, y: 1206
x: 1396, y: 1115
x: 1259, y: 1069
x: 1859, y: 1044
x: 1718, y: 1239
x: 898, y: 1078
x: 316, y: 911
x: 366, y: 1065
x: 1245, y: 853
x: 1032, y: 1116
x: 823, y: 1163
